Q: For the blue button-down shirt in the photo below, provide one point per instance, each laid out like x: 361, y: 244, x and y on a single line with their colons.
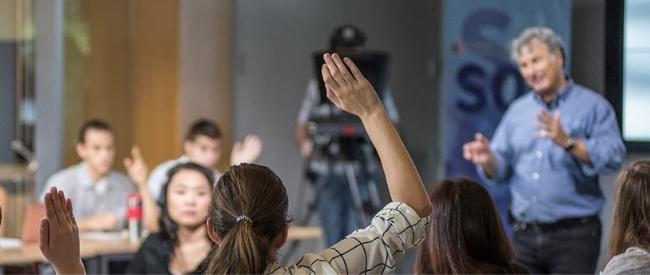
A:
x: 546, y: 182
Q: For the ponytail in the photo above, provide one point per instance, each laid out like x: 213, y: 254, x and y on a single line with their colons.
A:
x: 242, y: 251
x: 248, y: 211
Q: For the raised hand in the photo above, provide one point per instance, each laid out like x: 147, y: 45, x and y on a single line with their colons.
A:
x: 136, y: 168
x: 59, y: 236
x: 247, y: 151
x: 347, y: 88
x: 353, y: 93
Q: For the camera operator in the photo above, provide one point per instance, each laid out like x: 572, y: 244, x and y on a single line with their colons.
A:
x: 329, y: 155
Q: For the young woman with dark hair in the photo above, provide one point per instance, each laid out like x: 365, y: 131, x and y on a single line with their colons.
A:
x: 182, y: 246
x: 248, y: 214
x: 466, y: 235
x: 629, y: 242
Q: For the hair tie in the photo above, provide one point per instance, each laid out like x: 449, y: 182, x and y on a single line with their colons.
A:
x: 244, y: 218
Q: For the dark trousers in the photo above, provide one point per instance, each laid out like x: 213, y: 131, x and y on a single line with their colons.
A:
x: 558, y: 249
x: 335, y: 206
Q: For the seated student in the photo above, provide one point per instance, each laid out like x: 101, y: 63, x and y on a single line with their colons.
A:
x: 248, y: 212
x: 182, y: 245
x: 629, y: 245
x: 98, y: 193
x: 465, y: 236
x: 202, y: 145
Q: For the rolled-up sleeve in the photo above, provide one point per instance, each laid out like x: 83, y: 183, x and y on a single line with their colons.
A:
x: 375, y: 249
x: 502, y: 150
x: 604, y: 144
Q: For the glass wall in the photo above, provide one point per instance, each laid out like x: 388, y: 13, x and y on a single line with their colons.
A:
x: 636, y: 76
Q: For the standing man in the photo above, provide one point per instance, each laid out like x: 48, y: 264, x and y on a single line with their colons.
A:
x: 549, y: 147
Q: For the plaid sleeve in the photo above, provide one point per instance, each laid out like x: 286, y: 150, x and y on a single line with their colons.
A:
x: 376, y: 249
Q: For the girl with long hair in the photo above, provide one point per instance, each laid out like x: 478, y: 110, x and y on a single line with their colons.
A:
x: 629, y: 242
x: 466, y: 235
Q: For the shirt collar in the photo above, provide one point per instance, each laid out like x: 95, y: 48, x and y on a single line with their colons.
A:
x: 86, y: 180
x: 183, y: 159
x: 560, y: 96
x: 273, y: 268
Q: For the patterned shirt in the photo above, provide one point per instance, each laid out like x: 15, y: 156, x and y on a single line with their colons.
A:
x: 89, y: 198
x: 635, y: 260
x: 377, y: 249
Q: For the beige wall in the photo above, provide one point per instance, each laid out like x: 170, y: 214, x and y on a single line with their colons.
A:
x: 8, y: 19
x: 152, y: 67
x: 206, y: 66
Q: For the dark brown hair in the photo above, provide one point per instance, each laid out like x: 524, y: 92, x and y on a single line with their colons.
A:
x: 247, y: 246
x: 631, y: 221
x: 94, y: 124
x: 466, y: 235
x: 203, y: 127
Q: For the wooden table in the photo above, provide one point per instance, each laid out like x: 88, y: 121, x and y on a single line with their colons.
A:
x: 7, y: 171
x: 92, y: 248
x: 30, y: 253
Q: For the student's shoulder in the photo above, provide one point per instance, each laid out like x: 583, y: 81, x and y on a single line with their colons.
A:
x: 154, y: 238
x: 634, y: 260
x: 115, y: 177
x: 67, y: 175
x: 166, y: 166
x: 118, y: 176
x: 157, y: 242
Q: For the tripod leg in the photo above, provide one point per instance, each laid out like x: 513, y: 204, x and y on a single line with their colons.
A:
x: 374, y: 195
x: 372, y: 172
x: 354, y: 190
x: 319, y: 184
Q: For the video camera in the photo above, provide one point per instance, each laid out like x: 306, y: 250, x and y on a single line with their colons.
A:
x: 334, y: 126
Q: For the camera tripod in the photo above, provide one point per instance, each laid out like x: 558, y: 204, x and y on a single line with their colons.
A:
x: 353, y: 161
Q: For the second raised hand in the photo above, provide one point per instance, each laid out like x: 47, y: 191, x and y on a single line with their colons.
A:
x: 136, y: 168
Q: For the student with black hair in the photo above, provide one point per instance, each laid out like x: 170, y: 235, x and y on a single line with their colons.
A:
x: 182, y: 245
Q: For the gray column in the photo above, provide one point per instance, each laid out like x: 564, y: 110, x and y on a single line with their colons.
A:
x: 7, y: 99
x: 49, y: 88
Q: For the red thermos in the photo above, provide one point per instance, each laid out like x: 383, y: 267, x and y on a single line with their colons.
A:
x: 134, y: 216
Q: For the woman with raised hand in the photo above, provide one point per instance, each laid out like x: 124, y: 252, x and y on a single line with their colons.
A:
x: 465, y: 236
x: 248, y: 214
x: 629, y: 241
x: 248, y: 218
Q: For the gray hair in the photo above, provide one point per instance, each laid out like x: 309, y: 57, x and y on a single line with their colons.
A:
x: 541, y: 34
